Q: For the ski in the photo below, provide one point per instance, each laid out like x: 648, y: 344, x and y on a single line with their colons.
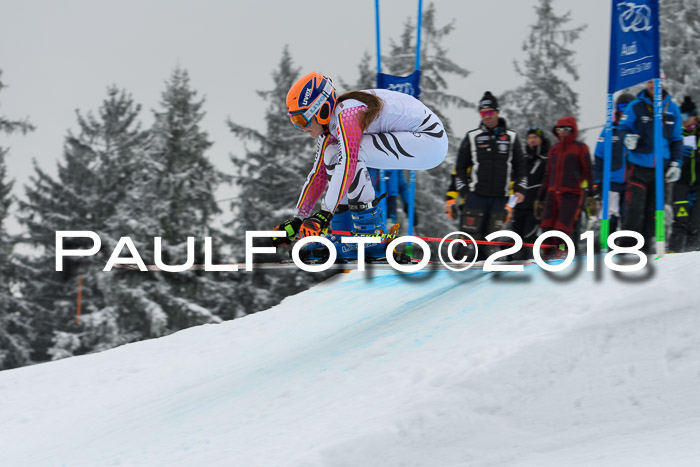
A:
x: 369, y: 265
x: 381, y: 266
x: 391, y: 236
x: 349, y: 265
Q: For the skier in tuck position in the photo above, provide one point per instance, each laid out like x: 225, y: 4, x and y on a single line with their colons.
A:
x: 358, y: 130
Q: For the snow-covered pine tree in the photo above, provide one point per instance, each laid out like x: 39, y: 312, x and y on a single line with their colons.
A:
x: 15, y: 316
x: 546, y: 94
x: 680, y: 42
x: 7, y: 125
x: 269, y: 177
x: 93, y: 180
x: 172, y: 197
x: 367, y: 75
x: 436, y: 65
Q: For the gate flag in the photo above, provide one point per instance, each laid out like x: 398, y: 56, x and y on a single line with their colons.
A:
x: 405, y: 84
x: 634, y: 43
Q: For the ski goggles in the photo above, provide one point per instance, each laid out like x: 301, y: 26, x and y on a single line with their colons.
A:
x: 563, y: 130
x: 302, y: 118
x: 487, y: 113
x: 298, y: 119
x: 622, y: 107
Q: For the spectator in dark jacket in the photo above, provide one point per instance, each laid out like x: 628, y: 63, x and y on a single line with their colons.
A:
x: 536, y: 151
x: 617, y: 167
x: 489, y: 158
x: 685, y: 235
x: 560, y: 196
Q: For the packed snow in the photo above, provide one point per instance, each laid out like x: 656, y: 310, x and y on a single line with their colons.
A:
x: 379, y: 368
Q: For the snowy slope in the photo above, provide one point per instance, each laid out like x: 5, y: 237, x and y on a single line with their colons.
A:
x: 432, y: 369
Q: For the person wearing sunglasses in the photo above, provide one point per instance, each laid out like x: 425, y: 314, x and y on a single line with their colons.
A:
x: 356, y: 131
x: 637, y: 133
x: 618, y: 165
x: 489, y: 159
x: 561, y: 196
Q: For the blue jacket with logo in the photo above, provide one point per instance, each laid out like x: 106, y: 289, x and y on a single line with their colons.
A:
x: 639, y: 119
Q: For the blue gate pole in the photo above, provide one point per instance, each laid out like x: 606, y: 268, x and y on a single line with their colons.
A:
x: 660, y: 214
x: 382, y: 174
x: 607, y: 166
x: 420, y: 23
x: 379, y: 56
x: 412, y: 173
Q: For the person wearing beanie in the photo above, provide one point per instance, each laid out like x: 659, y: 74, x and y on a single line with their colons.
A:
x: 688, y: 109
x: 536, y: 152
x: 488, y: 101
x: 685, y: 234
x: 617, y: 169
x: 489, y: 158
x: 636, y: 128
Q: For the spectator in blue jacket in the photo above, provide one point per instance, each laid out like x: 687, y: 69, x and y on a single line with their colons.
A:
x: 637, y: 132
x: 617, y: 167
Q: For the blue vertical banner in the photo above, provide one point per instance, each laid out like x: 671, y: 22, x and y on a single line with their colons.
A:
x: 635, y: 57
x: 634, y: 43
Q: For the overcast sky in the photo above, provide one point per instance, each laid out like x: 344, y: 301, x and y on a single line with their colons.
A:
x: 59, y: 56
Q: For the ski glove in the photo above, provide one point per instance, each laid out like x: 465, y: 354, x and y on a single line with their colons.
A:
x: 631, y: 141
x: 538, y: 209
x: 315, y: 225
x: 673, y: 174
x: 291, y: 227
x: 688, y: 151
x: 509, y: 215
x: 451, y: 208
x: 592, y: 206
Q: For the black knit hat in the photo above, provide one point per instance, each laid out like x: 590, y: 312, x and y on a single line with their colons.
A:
x: 688, y: 106
x: 488, y: 101
x: 535, y: 130
x: 624, y: 98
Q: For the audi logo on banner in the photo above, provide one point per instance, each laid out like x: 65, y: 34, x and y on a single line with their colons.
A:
x: 634, y: 18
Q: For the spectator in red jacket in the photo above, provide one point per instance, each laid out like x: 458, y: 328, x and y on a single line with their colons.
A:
x: 560, y: 197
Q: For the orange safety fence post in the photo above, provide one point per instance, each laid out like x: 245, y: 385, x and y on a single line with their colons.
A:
x: 80, y: 298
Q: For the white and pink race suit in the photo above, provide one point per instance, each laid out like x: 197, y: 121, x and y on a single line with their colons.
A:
x: 406, y: 135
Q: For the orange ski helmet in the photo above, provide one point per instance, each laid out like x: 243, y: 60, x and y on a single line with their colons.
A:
x: 313, y: 95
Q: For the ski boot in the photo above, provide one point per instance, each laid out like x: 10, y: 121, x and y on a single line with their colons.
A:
x: 362, y: 219
x: 367, y: 221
